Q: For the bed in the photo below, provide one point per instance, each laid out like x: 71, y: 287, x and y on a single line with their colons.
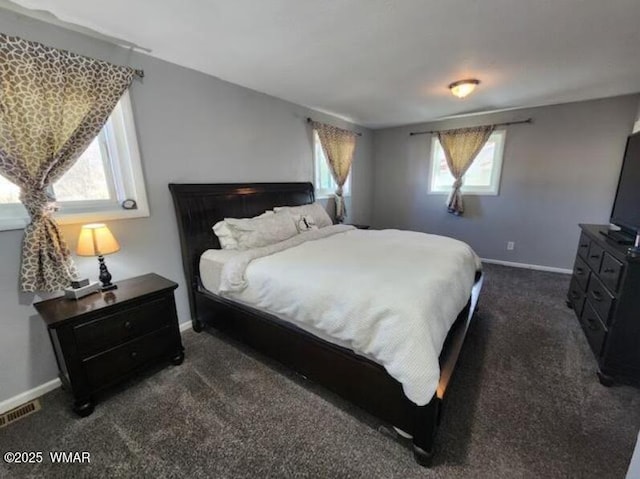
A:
x: 353, y: 376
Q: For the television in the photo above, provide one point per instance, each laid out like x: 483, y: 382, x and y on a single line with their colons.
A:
x: 626, y: 207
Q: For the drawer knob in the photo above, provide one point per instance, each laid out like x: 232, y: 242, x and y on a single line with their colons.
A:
x: 575, y: 294
x: 127, y: 325
x: 595, y: 256
x: 592, y: 324
x: 133, y: 355
x: 609, y: 270
x: 597, y: 295
x: 579, y: 271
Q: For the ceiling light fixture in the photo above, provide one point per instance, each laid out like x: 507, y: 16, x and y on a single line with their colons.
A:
x: 462, y: 88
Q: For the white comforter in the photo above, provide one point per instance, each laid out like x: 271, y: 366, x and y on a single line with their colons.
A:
x: 391, y: 295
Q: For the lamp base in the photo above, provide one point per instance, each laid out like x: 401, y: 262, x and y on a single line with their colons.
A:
x: 105, y: 276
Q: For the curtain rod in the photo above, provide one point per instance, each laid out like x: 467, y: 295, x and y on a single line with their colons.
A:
x: 309, y: 120
x: 528, y: 120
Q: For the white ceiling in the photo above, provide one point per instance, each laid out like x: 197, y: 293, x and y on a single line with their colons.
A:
x: 387, y: 62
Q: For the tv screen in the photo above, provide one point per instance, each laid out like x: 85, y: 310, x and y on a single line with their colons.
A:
x: 626, y: 208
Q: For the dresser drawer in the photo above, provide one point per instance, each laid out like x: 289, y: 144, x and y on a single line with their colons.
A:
x: 114, y: 329
x: 581, y: 273
x: 105, y: 368
x: 577, y: 296
x: 595, y: 256
x: 600, y: 298
x: 593, y: 328
x: 611, y: 272
x: 583, y: 246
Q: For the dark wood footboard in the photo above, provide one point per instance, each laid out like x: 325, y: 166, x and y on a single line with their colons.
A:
x: 353, y: 377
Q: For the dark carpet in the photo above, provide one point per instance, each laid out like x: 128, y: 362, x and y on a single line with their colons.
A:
x: 525, y: 402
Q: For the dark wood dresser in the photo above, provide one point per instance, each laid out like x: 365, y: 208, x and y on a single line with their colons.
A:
x: 605, y: 295
x: 104, y: 338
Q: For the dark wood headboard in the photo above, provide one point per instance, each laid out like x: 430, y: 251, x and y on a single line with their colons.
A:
x: 200, y: 206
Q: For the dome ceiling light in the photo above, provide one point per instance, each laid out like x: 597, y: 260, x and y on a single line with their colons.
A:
x: 462, y: 88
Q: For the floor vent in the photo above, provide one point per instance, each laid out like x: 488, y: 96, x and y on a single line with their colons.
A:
x: 19, y: 412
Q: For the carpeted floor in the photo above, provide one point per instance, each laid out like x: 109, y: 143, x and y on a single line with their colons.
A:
x: 525, y: 402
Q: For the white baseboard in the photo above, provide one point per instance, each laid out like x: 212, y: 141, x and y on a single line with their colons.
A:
x: 15, y: 401
x: 185, y: 326
x: 537, y: 267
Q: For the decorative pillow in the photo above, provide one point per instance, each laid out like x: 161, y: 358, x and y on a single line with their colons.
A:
x: 257, y: 232
x: 306, y: 223
x: 313, y: 210
x: 225, y: 235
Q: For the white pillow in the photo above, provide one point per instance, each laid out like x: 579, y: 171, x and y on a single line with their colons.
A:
x: 313, y: 210
x: 225, y: 235
x: 257, y: 232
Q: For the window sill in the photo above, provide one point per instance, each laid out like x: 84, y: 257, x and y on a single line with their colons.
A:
x: 465, y: 193
x: 76, y: 218
x: 328, y: 196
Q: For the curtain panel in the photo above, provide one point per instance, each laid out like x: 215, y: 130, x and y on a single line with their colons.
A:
x: 338, y: 146
x: 53, y: 103
x: 461, y: 146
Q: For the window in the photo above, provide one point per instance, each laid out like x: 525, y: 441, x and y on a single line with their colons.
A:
x: 95, y: 187
x: 482, y: 177
x: 324, y: 183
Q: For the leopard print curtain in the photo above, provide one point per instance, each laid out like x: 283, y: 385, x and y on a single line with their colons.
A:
x: 461, y: 147
x: 338, y: 146
x: 53, y: 103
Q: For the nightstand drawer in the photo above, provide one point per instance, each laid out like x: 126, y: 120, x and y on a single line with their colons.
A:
x: 600, y: 298
x: 110, y: 366
x: 108, y: 331
x: 581, y: 273
x: 610, y: 272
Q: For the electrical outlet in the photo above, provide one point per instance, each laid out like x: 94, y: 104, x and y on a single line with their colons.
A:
x: 511, y: 245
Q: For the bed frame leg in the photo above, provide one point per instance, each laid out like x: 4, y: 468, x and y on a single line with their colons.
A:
x: 424, y: 435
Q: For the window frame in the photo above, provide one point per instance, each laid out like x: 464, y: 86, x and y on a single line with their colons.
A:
x: 496, y: 174
x: 318, y: 162
x: 124, y: 168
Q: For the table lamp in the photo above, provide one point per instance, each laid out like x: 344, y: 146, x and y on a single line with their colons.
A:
x: 96, y: 240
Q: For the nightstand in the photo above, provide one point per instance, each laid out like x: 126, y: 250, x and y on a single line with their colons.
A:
x: 104, y: 338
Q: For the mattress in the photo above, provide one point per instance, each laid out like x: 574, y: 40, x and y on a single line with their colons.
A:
x: 211, y: 263
x: 390, y: 296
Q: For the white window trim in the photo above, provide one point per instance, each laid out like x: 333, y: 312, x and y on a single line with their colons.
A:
x: 324, y: 193
x: 496, y: 175
x: 14, y: 216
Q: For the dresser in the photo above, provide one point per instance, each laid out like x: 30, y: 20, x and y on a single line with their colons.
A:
x: 105, y: 338
x: 605, y: 295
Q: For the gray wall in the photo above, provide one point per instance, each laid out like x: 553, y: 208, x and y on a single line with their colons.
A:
x: 191, y: 127
x: 634, y: 466
x: 560, y: 171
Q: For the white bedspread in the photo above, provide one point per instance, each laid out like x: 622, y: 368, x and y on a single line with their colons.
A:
x: 391, y: 295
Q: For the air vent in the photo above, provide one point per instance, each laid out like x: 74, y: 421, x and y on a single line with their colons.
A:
x: 19, y: 412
